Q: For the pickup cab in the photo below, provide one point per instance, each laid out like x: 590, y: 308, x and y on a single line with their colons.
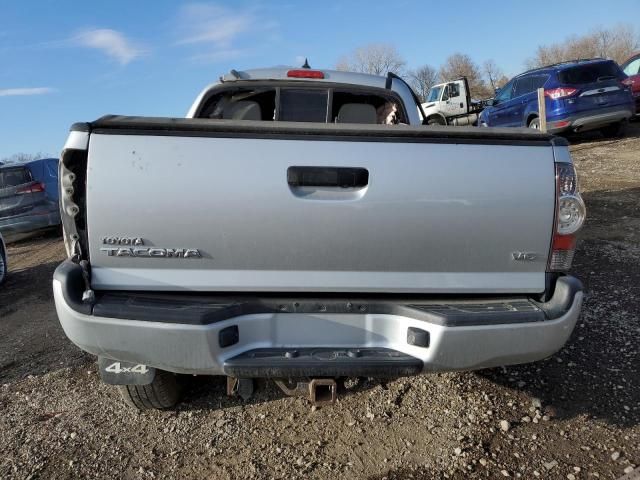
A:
x: 450, y: 103
x: 304, y: 225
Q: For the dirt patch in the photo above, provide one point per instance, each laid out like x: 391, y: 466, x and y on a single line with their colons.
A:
x: 575, y: 414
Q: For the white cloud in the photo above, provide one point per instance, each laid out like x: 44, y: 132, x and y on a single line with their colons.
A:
x: 213, y: 24
x: 221, y: 33
x: 13, y: 92
x: 111, y: 42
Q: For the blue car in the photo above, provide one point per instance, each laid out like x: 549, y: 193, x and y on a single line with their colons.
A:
x: 580, y: 95
x: 28, y: 197
x: 45, y: 170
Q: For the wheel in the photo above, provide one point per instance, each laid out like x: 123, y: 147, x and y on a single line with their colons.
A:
x: 163, y: 392
x: 616, y: 130
x: 435, y: 121
x: 3, y: 264
x: 534, y: 123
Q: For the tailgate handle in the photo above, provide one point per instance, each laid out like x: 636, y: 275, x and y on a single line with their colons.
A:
x: 343, y: 177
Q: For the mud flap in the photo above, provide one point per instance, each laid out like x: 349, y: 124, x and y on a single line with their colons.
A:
x: 115, y: 372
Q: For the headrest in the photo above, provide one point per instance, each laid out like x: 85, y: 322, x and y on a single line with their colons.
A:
x: 357, y: 113
x: 243, y: 110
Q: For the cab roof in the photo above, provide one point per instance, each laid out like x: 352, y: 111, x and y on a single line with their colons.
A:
x: 281, y: 73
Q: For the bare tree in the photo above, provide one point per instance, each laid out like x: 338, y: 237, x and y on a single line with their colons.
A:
x: 616, y: 43
x: 422, y: 79
x: 376, y: 59
x: 625, y: 41
x: 460, y: 65
x: 494, y: 74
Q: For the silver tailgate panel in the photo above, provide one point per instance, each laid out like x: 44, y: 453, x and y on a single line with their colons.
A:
x: 435, y: 218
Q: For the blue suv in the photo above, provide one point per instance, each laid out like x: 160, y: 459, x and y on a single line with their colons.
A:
x: 580, y: 95
x: 28, y: 197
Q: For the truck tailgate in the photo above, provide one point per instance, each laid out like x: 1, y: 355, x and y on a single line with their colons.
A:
x: 433, y: 216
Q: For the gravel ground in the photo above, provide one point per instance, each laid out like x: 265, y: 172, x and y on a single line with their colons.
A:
x: 575, y: 415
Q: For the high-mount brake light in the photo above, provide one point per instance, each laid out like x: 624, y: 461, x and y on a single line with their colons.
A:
x: 556, y: 93
x: 305, y: 73
x: 570, y: 215
x: 33, y: 188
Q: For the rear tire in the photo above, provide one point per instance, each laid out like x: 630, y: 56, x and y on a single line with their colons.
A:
x: 3, y: 264
x: 163, y: 392
x: 534, y: 123
x: 617, y: 130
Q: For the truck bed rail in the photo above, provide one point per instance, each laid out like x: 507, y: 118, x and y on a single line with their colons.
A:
x: 162, y: 126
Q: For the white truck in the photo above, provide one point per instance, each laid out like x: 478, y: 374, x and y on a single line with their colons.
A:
x: 303, y: 225
x: 450, y: 103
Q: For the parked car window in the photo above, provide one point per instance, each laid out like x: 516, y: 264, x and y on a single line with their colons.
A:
x: 633, y: 68
x: 12, y: 177
x: 434, y: 94
x: 504, y: 94
x: 523, y: 86
x: 454, y: 90
x: 589, y: 73
x: 539, y: 80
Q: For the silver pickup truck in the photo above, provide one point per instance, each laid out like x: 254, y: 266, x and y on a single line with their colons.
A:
x: 303, y: 225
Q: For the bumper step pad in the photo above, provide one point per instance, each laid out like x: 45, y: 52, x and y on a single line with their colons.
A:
x: 322, y: 362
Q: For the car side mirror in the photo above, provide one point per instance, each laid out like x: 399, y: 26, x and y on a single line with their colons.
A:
x: 490, y: 103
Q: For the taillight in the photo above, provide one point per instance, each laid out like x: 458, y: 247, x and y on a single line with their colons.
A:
x: 570, y: 215
x: 627, y: 82
x: 305, y: 73
x: 32, y: 188
x: 556, y: 93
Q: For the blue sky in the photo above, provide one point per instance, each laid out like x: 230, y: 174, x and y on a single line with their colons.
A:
x: 66, y: 61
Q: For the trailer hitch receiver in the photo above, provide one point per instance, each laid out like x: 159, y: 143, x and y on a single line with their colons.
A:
x: 319, y: 391
x: 323, y: 391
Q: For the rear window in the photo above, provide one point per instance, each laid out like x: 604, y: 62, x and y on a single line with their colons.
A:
x: 591, y: 73
x: 242, y: 104
x: 387, y: 110
x: 295, y: 104
x: 12, y: 177
x: 303, y: 105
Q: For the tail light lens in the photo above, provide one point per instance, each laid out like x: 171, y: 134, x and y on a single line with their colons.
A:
x: 627, y: 82
x: 570, y: 215
x: 36, y: 187
x: 556, y: 93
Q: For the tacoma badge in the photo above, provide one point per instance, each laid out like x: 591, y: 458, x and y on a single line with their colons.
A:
x: 135, y: 247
